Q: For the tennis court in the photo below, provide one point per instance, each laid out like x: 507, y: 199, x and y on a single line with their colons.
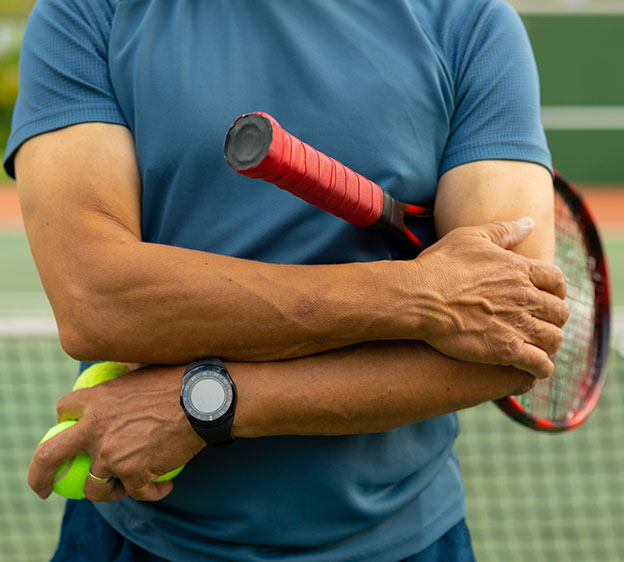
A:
x: 530, y: 496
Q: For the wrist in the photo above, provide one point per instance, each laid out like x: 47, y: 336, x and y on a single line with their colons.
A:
x: 404, y: 301
x: 254, y: 408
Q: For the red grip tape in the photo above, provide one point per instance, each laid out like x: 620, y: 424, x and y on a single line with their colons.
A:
x: 318, y: 179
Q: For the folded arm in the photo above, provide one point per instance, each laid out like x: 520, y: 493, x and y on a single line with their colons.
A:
x: 133, y: 298
x: 117, y: 297
x: 361, y: 388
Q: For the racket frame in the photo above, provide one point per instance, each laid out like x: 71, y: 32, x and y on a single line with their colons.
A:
x: 602, y: 305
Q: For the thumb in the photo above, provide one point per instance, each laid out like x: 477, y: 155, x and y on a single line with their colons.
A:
x: 509, y: 234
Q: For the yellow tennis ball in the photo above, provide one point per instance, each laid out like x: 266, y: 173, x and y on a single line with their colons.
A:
x: 169, y: 475
x: 100, y: 372
x: 70, y: 477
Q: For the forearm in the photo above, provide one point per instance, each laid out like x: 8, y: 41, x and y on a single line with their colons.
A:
x: 117, y: 297
x: 152, y: 303
x: 363, y: 389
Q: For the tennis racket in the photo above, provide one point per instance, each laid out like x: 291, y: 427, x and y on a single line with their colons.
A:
x: 257, y: 147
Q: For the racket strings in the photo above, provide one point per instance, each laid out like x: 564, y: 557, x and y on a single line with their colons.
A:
x: 577, y: 362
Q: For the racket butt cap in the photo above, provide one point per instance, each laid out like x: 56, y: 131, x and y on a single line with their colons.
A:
x: 248, y: 141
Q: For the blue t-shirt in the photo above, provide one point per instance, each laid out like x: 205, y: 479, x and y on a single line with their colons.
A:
x: 399, y: 90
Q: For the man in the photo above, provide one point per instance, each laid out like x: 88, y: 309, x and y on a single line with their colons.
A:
x: 346, y: 369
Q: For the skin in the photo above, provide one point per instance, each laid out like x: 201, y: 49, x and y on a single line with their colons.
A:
x: 466, y: 322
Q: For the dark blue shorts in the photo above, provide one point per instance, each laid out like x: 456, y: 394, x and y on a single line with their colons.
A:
x: 87, y: 537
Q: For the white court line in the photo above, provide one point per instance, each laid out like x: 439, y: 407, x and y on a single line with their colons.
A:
x: 28, y: 326
x: 617, y: 329
x: 572, y: 7
x: 604, y: 118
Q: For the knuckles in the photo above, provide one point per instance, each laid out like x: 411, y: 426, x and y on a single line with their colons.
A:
x: 561, y: 287
x: 97, y: 421
x: 522, y: 320
x: 557, y: 340
x: 564, y: 313
x: 522, y: 295
x: 106, y: 452
x: 509, y: 348
x: 44, y: 454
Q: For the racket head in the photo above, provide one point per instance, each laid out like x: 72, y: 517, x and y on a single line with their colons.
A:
x: 567, y: 398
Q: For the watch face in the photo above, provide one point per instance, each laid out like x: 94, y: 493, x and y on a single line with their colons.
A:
x: 207, y: 395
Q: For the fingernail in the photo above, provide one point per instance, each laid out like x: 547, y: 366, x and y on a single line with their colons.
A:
x: 524, y: 222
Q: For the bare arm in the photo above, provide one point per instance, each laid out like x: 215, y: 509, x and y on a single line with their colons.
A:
x: 485, y: 191
x: 363, y: 388
x: 117, y: 297
x: 499, y: 190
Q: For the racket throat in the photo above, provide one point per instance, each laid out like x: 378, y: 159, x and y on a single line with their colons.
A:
x: 391, y: 222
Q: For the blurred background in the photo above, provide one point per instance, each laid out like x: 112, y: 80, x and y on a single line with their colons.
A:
x: 530, y: 496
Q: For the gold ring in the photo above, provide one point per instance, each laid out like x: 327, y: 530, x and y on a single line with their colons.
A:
x: 97, y: 479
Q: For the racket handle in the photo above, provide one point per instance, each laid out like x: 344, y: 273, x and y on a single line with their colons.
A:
x: 256, y: 146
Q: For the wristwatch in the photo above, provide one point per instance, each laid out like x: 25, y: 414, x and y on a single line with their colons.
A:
x: 208, y: 398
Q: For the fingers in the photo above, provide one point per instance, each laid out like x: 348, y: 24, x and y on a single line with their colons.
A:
x: 71, y: 406
x: 525, y: 384
x: 51, y: 454
x: 531, y: 347
x: 508, y: 234
x: 544, y: 335
x: 100, y: 433
x: 112, y: 490
x: 547, y: 277
x: 117, y: 488
x: 152, y: 491
x: 533, y: 360
x: 550, y: 308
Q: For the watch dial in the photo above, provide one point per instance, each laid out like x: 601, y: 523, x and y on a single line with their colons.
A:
x: 208, y: 396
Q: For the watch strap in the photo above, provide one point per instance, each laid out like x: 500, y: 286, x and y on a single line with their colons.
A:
x: 209, y: 361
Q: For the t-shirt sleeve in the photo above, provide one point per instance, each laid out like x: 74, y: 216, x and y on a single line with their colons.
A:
x: 497, y: 102
x: 64, y: 73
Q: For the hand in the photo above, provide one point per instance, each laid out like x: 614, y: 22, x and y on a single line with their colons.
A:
x: 486, y: 304
x: 132, y: 427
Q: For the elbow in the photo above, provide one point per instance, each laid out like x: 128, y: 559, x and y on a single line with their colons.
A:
x: 86, y: 327
x: 82, y: 340
x: 75, y: 343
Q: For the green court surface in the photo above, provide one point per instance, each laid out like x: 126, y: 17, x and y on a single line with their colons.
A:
x: 20, y: 289
x: 530, y: 496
